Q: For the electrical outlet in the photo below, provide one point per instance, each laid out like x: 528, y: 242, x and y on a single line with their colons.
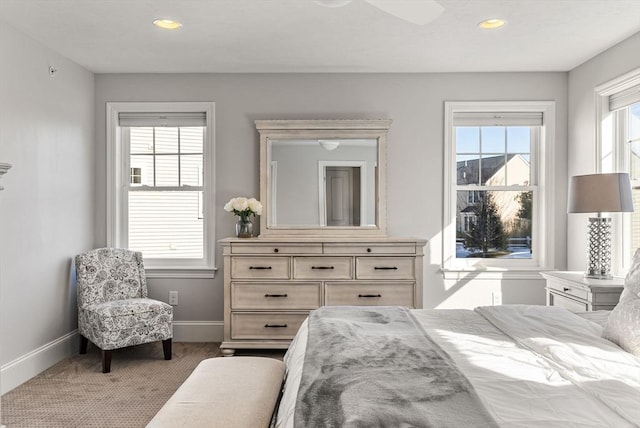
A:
x: 173, y: 298
x: 496, y: 298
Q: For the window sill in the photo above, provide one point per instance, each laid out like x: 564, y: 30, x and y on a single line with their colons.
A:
x: 180, y: 272
x: 488, y: 273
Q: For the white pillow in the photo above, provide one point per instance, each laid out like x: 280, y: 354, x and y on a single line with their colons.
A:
x: 623, y: 325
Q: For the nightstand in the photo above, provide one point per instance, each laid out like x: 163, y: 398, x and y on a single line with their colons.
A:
x: 573, y: 291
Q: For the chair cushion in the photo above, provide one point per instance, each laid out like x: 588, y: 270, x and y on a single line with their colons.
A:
x: 121, y: 323
x: 623, y: 325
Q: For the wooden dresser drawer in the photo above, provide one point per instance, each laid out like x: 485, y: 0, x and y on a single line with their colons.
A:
x: 570, y: 304
x: 272, y: 248
x: 260, y: 267
x: 385, y: 268
x: 569, y: 289
x: 302, y: 295
x: 273, y: 326
x: 322, y: 268
x: 369, y: 294
x: 373, y: 248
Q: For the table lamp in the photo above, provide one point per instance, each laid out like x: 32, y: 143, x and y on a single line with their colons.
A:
x: 600, y: 193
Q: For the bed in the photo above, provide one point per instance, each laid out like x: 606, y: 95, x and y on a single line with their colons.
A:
x: 527, y: 366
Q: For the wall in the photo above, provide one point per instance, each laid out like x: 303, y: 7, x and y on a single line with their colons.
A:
x: 415, y: 153
x: 47, y: 207
x: 583, y: 80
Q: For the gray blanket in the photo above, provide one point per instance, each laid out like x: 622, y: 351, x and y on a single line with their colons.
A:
x: 376, y: 367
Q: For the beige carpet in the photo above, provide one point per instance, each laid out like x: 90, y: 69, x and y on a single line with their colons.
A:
x: 75, y: 392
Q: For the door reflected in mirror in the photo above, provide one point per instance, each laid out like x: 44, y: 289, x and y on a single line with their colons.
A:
x: 326, y: 182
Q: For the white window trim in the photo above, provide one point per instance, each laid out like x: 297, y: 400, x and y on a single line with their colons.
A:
x: 544, y: 250
x: 115, y: 176
x: 608, y: 131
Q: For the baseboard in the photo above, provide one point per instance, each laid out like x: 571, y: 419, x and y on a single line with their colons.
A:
x: 198, y: 331
x: 35, y: 362
x: 29, y: 365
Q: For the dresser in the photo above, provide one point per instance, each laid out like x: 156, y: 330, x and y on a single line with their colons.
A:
x: 271, y: 284
x: 573, y: 291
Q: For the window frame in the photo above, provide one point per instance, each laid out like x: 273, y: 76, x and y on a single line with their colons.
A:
x: 542, y: 173
x: 611, y: 132
x: 117, y: 191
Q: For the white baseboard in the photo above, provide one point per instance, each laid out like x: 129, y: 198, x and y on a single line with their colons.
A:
x: 198, y: 331
x: 35, y: 362
x: 29, y: 365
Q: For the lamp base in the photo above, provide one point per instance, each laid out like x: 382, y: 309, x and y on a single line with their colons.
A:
x: 599, y: 248
x: 597, y: 276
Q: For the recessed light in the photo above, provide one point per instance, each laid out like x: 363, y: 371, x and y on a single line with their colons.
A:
x: 490, y: 24
x: 167, y: 24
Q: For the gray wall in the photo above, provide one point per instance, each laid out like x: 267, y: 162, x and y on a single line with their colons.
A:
x: 583, y: 80
x: 414, y: 164
x: 47, y: 207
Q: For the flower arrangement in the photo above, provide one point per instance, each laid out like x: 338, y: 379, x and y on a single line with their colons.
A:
x: 244, y: 207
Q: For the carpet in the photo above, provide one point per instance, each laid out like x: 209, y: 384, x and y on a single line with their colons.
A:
x: 75, y: 392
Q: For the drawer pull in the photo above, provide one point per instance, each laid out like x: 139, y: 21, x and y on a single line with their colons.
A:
x: 260, y: 267
x: 566, y: 289
x: 369, y: 295
x: 275, y: 250
x: 275, y: 295
x: 275, y: 326
x: 322, y: 267
x: 386, y: 268
x: 368, y: 250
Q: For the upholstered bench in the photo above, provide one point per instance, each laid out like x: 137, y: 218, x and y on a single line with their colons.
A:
x: 235, y: 392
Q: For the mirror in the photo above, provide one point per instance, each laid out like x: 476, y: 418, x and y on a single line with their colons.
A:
x: 322, y: 177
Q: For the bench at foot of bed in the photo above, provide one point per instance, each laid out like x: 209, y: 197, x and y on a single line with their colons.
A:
x: 235, y: 392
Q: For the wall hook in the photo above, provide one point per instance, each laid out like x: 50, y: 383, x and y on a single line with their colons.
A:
x: 52, y: 71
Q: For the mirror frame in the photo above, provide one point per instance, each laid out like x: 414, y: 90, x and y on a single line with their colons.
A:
x: 323, y: 129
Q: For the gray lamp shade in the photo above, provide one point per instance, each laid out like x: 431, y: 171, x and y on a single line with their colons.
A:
x: 597, y: 193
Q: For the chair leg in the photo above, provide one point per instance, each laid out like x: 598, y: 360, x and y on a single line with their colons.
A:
x: 106, y: 361
x: 166, y: 348
x: 84, y: 343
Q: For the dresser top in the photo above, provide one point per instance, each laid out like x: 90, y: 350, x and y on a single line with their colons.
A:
x: 577, y: 278
x: 337, y: 240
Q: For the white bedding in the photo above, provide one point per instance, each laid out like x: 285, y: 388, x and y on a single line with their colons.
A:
x: 550, y: 368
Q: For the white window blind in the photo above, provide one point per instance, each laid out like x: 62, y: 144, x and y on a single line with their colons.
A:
x: 162, y: 119
x: 624, y: 98
x: 497, y: 119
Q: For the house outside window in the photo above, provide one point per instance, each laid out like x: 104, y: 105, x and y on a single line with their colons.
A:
x: 495, y: 175
x: 160, y: 185
x: 618, y: 110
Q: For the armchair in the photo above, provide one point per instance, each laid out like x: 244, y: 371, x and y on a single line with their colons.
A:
x: 113, y: 309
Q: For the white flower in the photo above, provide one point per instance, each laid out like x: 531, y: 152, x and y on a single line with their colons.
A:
x: 244, y: 207
x: 255, y: 206
x: 240, y: 204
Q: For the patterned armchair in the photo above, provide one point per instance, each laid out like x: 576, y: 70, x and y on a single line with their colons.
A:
x: 113, y: 308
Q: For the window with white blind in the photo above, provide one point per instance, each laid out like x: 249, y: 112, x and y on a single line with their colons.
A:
x: 496, y: 200
x: 618, y: 109
x: 160, y: 184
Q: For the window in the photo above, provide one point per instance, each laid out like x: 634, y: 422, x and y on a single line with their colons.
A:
x: 160, y: 175
x: 618, y: 107
x: 495, y: 174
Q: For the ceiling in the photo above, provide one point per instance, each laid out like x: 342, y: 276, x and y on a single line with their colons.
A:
x: 246, y: 36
